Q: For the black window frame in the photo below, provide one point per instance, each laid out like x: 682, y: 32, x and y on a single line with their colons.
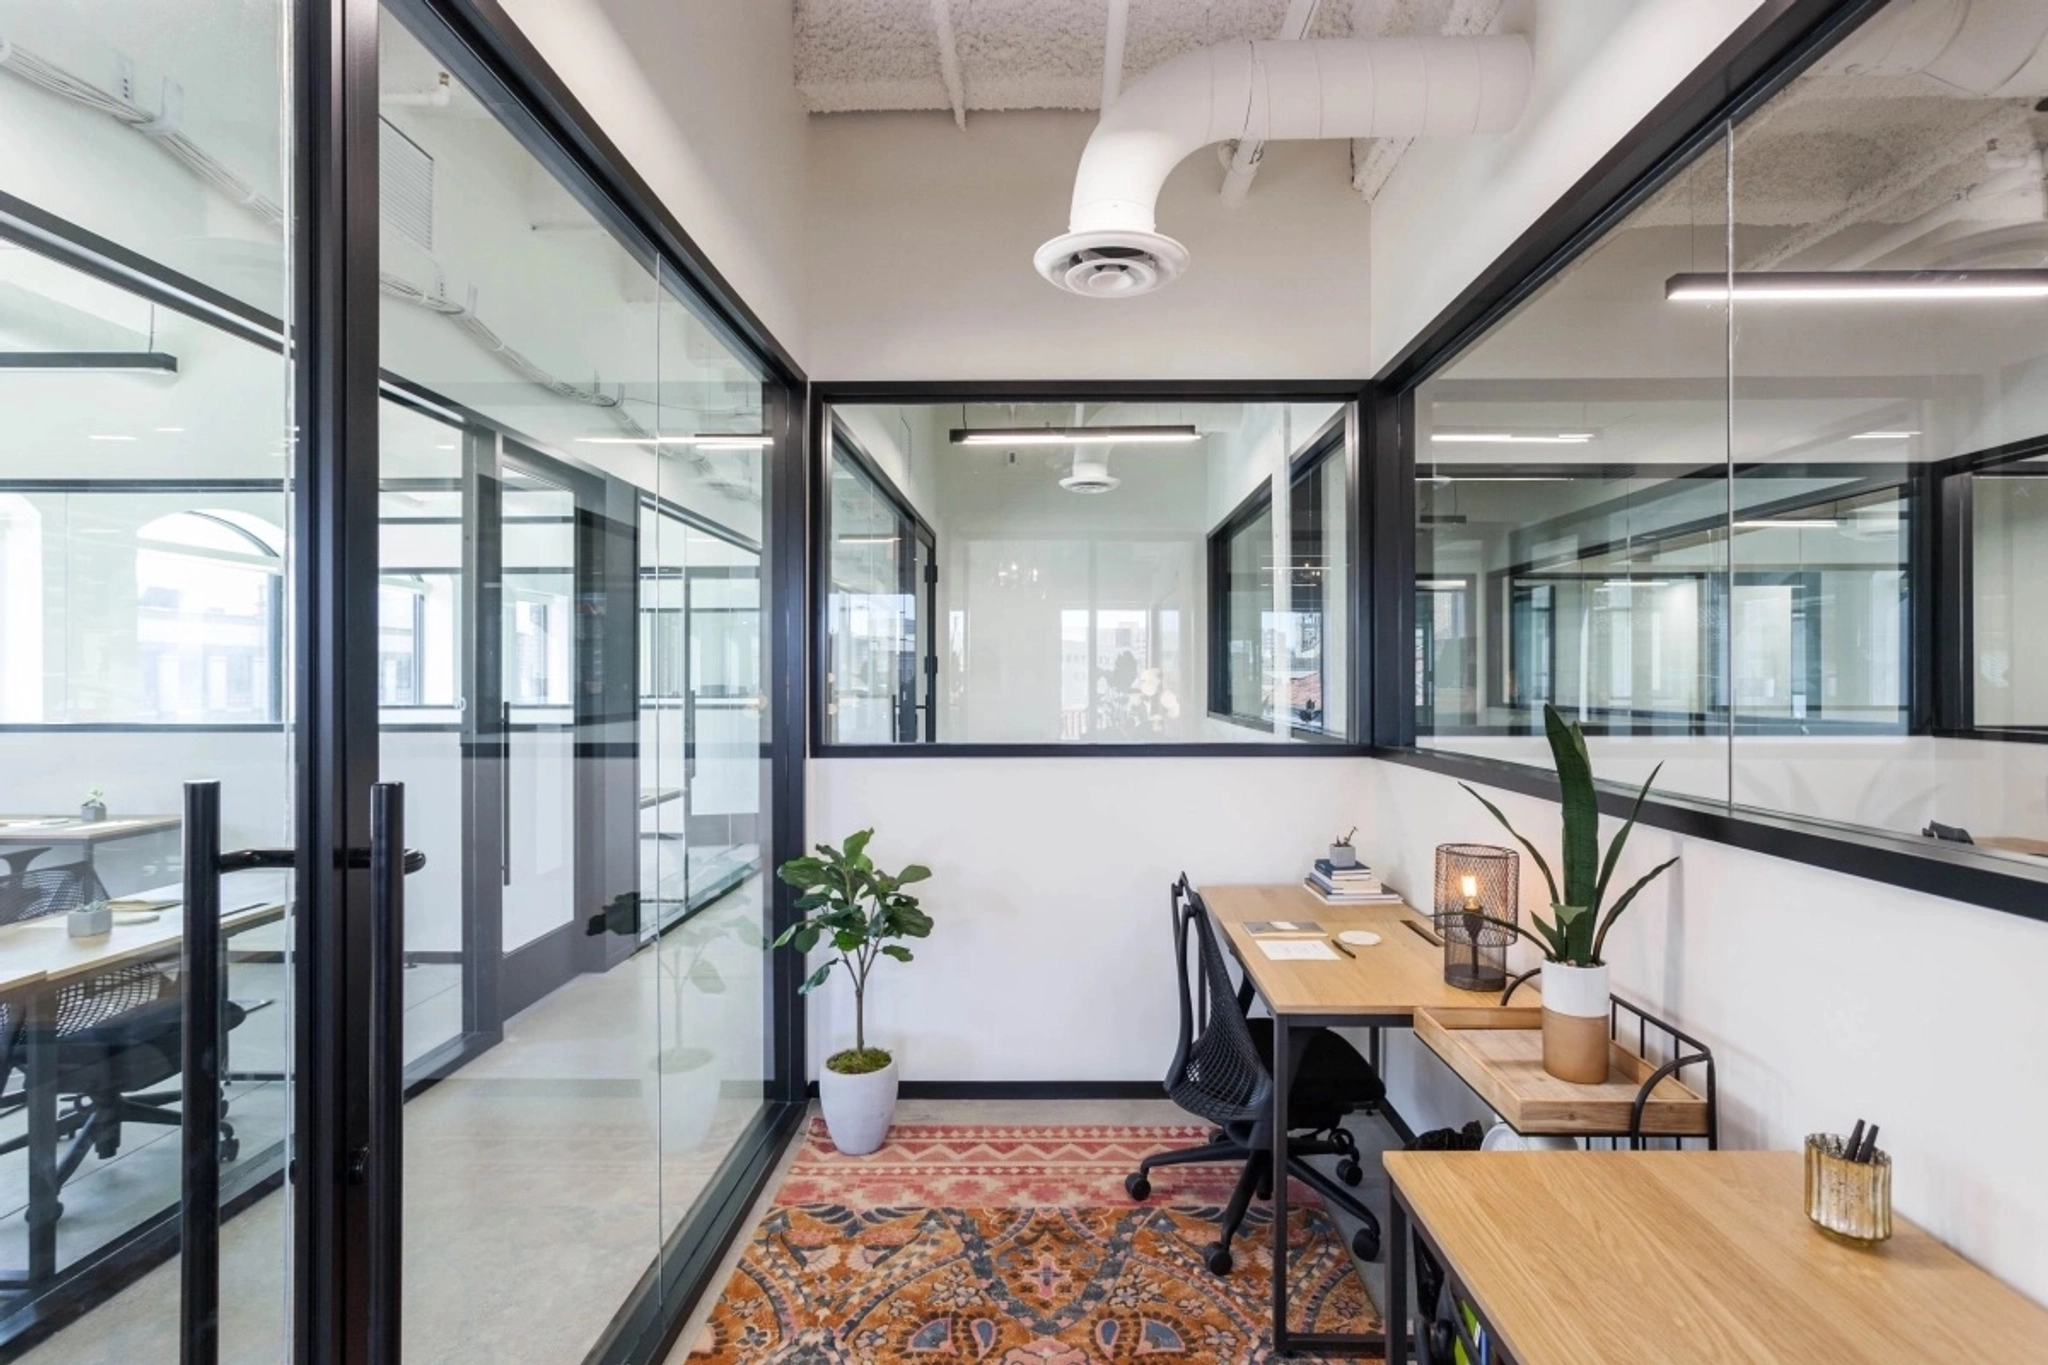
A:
x: 912, y: 530
x: 1758, y: 59
x: 1305, y: 464
x: 825, y: 396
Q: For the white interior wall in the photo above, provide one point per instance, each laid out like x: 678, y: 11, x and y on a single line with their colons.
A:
x: 1824, y: 998
x: 1599, y: 67
x: 700, y: 99
x: 1050, y: 957
x: 919, y: 259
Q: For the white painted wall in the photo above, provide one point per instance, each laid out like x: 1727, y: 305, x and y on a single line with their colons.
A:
x: 701, y: 99
x: 919, y: 259
x: 1600, y: 66
x: 1051, y: 957
x: 1824, y: 997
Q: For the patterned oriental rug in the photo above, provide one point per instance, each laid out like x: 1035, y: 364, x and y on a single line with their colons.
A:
x: 994, y: 1245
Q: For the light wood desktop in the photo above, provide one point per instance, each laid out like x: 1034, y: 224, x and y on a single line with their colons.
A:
x: 1617, y: 1258
x: 1385, y: 983
x: 1382, y: 985
x: 64, y: 829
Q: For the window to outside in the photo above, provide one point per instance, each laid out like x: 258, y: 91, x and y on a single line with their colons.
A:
x: 1040, y: 573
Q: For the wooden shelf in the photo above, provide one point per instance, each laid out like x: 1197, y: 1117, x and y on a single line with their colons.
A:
x: 1499, y: 1053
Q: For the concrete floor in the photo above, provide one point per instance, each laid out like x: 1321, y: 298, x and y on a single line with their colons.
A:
x: 540, y: 1181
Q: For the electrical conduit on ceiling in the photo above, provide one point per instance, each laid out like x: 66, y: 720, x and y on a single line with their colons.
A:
x: 1260, y: 92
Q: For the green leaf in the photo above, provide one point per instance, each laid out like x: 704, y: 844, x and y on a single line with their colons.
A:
x: 1581, y: 850
x: 705, y: 978
x: 1600, y: 940
x: 856, y: 844
x: 806, y: 938
x: 916, y: 872
x: 815, y: 979
x: 1620, y: 838
x: 897, y: 951
x: 1541, y: 866
x: 848, y: 940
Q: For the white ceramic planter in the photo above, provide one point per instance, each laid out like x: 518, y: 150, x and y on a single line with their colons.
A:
x: 858, y: 1109
x: 1575, y: 1022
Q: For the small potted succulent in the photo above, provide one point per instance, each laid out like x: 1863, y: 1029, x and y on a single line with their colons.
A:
x: 1342, y: 854
x: 1575, y: 977
x: 855, y: 909
x: 94, y: 808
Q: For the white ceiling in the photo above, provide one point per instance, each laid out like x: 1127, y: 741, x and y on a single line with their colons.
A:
x: 868, y: 55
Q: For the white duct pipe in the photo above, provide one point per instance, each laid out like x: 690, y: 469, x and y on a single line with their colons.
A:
x: 1994, y: 48
x: 1263, y: 91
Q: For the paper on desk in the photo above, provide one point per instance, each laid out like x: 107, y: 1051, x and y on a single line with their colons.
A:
x: 1297, y: 950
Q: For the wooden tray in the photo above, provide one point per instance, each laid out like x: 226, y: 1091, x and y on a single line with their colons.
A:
x: 1499, y: 1053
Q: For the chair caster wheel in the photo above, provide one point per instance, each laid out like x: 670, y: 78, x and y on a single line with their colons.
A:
x: 1138, y: 1187
x: 1349, y: 1171
x: 1217, y: 1135
x: 1365, y: 1244
x: 1217, y: 1258
x: 230, y: 1149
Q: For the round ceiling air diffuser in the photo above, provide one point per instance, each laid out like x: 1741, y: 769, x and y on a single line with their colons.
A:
x: 1111, y: 265
x: 1091, y: 475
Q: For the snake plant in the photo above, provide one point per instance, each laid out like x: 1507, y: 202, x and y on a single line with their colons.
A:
x: 1578, y: 932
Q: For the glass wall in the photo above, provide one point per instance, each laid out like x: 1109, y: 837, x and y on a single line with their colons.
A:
x: 1745, y: 487
x: 145, y: 590
x: 569, y: 655
x: 1087, y: 573
x: 574, y: 468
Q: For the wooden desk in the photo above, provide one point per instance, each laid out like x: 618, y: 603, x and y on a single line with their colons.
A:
x: 37, y: 958
x: 66, y: 829
x: 2015, y: 843
x: 1383, y: 985
x: 1617, y: 1258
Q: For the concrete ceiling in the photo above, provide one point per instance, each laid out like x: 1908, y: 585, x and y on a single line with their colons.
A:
x: 969, y: 56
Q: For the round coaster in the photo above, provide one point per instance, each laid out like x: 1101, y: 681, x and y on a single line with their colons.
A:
x: 1358, y: 938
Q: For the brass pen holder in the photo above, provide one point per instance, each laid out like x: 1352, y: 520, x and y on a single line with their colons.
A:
x: 1848, y: 1200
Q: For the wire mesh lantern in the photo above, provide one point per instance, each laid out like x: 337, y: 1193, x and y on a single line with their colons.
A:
x: 1476, y: 883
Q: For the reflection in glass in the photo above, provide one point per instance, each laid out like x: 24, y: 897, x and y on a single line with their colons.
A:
x: 1062, y: 592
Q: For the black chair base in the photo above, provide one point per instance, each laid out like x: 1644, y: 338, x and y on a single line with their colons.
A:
x: 1256, y: 1181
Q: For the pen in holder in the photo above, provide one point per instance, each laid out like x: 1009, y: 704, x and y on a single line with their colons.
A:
x: 1848, y: 1199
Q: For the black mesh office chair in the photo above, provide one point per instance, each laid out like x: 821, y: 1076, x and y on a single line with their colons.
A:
x: 1220, y: 1072
x: 118, y: 1033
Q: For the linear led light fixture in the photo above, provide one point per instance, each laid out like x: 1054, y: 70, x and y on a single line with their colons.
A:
x: 1903, y: 286
x: 709, y: 440
x: 1074, y: 436
x: 1884, y: 435
x: 1495, y: 478
x: 1506, y: 438
x: 1789, y: 524
x: 102, y: 362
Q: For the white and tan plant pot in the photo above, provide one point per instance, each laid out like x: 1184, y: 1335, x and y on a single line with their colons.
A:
x: 1575, y: 1022
x: 858, y: 1109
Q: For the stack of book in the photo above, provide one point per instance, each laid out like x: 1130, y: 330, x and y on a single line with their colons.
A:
x: 1354, y: 885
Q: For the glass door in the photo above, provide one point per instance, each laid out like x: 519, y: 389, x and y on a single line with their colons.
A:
x: 539, y: 664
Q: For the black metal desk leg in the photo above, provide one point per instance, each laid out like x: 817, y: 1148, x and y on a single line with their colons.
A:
x: 1397, y: 1253
x: 40, y: 1068
x: 1283, y: 1079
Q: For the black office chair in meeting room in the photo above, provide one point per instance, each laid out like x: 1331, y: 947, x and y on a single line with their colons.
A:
x: 1221, y: 1073
x: 118, y: 1033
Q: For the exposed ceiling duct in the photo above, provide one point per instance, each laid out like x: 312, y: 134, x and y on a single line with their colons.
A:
x: 1261, y: 92
x: 1995, y: 48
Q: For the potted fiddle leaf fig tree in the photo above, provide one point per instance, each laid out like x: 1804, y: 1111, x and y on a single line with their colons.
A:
x: 1575, y: 976
x: 856, y: 910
